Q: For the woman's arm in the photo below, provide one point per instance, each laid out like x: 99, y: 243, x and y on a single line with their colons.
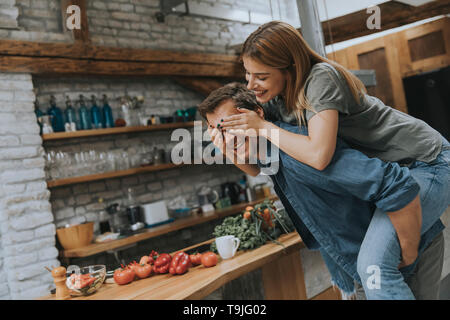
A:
x: 316, y: 149
x: 251, y: 169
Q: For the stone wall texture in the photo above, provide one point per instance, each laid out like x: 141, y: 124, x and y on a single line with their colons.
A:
x: 26, y: 219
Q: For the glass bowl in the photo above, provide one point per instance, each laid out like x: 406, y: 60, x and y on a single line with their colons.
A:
x: 87, y: 280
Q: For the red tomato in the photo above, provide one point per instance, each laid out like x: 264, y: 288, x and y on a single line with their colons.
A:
x: 143, y: 270
x: 196, y: 259
x: 209, y: 259
x: 132, y: 265
x: 144, y: 260
x: 124, y: 275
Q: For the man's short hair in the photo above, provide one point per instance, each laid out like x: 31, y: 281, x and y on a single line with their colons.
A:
x: 238, y: 92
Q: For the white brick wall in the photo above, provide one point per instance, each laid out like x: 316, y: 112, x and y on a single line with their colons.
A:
x: 133, y: 24
x: 8, y: 15
x: 27, y: 229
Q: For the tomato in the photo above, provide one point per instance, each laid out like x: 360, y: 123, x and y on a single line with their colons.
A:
x: 132, y: 265
x: 162, y: 263
x: 249, y: 208
x: 180, y: 263
x: 144, y: 260
x: 143, y: 270
x: 87, y: 282
x: 196, y: 259
x: 80, y: 281
x: 209, y: 259
x: 247, y: 215
x: 150, y: 259
x: 124, y: 275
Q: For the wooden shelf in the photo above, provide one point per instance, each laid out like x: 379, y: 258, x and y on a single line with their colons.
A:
x: 118, y: 130
x: 157, y: 231
x: 110, y: 175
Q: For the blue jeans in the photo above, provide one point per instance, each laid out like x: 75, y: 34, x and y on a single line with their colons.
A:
x: 380, y: 252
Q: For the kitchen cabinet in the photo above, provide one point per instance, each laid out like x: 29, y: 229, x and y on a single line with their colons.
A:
x: 399, y: 55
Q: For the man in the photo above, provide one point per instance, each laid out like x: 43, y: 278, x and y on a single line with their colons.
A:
x: 332, y: 209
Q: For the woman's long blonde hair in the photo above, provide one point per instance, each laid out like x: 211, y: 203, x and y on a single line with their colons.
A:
x: 279, y: 45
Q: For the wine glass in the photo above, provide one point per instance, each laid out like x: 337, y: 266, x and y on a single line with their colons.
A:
x: 49, y: 165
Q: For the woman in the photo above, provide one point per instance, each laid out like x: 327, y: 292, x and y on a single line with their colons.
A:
x: 297, y: 84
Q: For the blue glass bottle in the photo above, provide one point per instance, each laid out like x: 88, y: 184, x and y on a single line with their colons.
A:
x: 85, y: 116
x: 108, y: 120
x: 57, y: 116
x: 69, y: 113
x: 39, y: 114
x: 96, y: 115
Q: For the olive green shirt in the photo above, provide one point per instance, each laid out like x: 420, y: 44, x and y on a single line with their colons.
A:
x: 369, y: 126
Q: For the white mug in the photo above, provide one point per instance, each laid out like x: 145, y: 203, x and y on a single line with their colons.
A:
x: 227, y: 246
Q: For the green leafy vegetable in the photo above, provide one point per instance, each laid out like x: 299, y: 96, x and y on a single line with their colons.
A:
x: 250, y: 231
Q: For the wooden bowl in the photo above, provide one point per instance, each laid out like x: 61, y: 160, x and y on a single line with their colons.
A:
x: 76, y: 236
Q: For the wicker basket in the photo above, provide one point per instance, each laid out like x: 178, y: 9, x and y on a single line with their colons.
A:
x: 76, y: 236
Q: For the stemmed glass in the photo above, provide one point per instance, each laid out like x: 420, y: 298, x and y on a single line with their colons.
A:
x: 102, y: 162
x: 49, y: 165
x: 62, y: 164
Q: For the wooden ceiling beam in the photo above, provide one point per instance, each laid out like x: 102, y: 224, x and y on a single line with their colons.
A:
x: 393, y: 15
x: 87, y: 51
x: 80, y: 58
x: 63, y: 66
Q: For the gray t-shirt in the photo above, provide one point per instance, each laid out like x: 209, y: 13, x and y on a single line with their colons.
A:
x: 369, y: 126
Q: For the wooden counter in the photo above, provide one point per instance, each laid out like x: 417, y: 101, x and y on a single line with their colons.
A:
x: 282, y: 275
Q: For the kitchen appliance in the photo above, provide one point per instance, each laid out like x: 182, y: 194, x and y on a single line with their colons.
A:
x: 119, y: 221
x: 133, y: 210
x: 231, y: 190
x: 207, y: 196
x: 105, y: 225
x: 155, y: 213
